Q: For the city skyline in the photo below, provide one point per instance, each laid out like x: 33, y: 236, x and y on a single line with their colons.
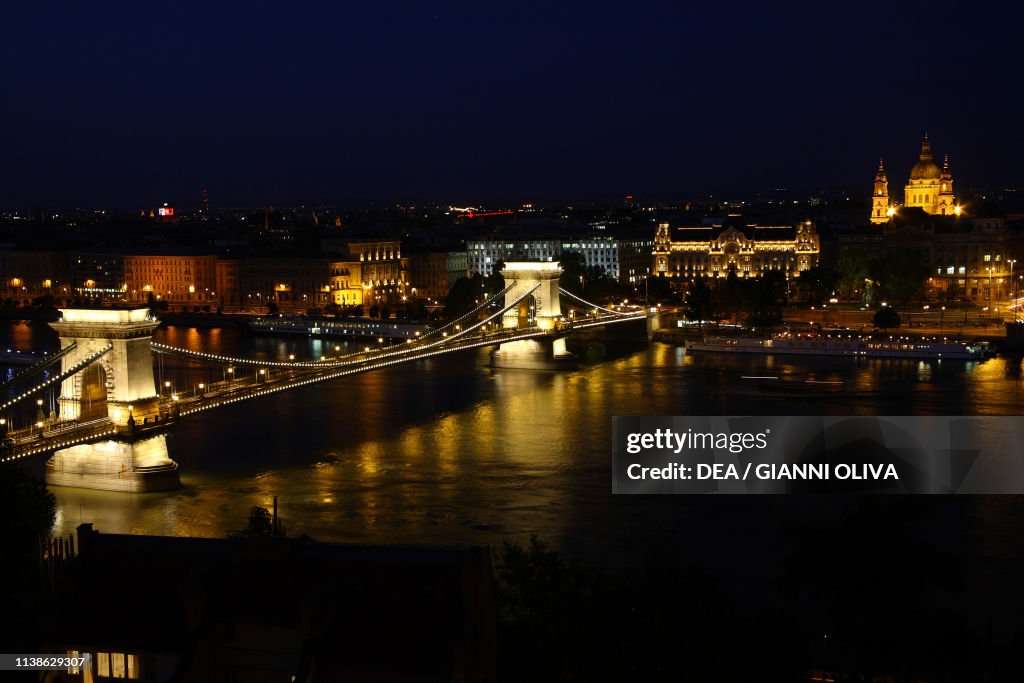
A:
x: 137, y: 107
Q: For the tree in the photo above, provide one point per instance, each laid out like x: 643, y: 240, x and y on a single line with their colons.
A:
x: 44, y: 301
x: 151, y: 302
x: 817, y: 283
x: 465, y: 293
x: 573, y: 278
x: 261, y: 524
x: 766, y: 299
x: 657, y: 288
x: 851, y: 271
x: 900, y: 275
x: 731, y: 295
x: 698, y: 302
x: 886, y: 317
x: 272, y: 307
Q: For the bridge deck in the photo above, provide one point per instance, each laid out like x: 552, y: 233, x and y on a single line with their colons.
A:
x: 279, y: 376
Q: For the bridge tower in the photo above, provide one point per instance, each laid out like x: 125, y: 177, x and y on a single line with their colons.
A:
x: 540, y: 309
x: 120, y: 387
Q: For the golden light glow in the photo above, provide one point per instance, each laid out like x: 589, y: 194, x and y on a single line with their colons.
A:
x: 104, y: 316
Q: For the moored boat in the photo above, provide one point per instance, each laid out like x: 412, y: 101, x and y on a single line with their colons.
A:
x: 854, y: 346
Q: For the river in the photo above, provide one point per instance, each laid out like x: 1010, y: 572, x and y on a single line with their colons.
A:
x: 447, y: 451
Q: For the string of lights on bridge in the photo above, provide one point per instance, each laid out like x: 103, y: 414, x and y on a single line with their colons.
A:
x: 56, y: 444
x: 77, y: 367
x: 352, y: 371
x: 399, y: 353
x: 404, y: 348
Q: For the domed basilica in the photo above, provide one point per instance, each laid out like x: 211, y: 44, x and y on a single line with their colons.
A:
x: 928, y: 188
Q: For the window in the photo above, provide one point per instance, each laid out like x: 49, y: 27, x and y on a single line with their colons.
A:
x: 103, y: 664
x: 117, y: 665
x: 117, y: 668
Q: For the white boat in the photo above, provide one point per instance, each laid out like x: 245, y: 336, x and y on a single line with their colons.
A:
x: 321, y: 327
x: 854, y: 346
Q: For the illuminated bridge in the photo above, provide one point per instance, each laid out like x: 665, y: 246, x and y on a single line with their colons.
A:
x: 115, y: 405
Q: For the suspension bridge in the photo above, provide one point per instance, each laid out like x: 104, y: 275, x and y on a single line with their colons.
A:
x: 108, y: 422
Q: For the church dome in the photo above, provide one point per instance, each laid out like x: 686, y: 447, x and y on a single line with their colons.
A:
x: 925, y: 168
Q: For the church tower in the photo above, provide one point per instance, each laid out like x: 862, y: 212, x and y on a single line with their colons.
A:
x: 947, y: 202
x: 880, y: 198
x: 923, y: 187
x: 662, y: 248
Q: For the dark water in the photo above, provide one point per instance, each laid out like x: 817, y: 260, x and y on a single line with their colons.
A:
x: 447, y: 451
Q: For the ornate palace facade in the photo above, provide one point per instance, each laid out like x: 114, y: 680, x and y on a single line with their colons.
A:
x: 713, y: 250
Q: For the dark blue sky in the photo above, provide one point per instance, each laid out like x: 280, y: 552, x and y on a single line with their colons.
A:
x: 469, y: 101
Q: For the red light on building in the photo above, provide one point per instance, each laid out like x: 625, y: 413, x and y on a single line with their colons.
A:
x: 165, y: 211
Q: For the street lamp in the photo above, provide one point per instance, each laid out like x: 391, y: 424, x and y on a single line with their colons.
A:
x: 1012, y: 293
x: 202, y: 388
x: 989, y: 269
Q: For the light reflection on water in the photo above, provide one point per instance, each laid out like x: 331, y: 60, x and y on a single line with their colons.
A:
x: 448, y: 451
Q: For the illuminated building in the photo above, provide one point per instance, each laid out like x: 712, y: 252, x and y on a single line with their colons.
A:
x: 881, y: 208
x: 435, y: 272
x: 294, y: 285
x: 182, y: 279
x: 713, y: 250
x: 383, y: 270
x: 618, y: 258
x: 228, y: 289
x: 98, y: 274
x: 972, y: 259
x: 27, y: 274
x: 346, y: 283
x: 928, y: 188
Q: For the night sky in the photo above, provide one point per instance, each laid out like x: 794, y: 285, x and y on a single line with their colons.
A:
x: 462, y: 102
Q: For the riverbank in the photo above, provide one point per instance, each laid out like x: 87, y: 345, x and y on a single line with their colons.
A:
x: 206, y: 320
x: 995, y: 335
x: 29, y: 313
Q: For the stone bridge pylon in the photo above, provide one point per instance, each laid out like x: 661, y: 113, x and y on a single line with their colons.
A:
x: 541, y: 309
x: 119, y: 386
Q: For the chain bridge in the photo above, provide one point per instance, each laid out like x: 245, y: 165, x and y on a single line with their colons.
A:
x: 110, y: 416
